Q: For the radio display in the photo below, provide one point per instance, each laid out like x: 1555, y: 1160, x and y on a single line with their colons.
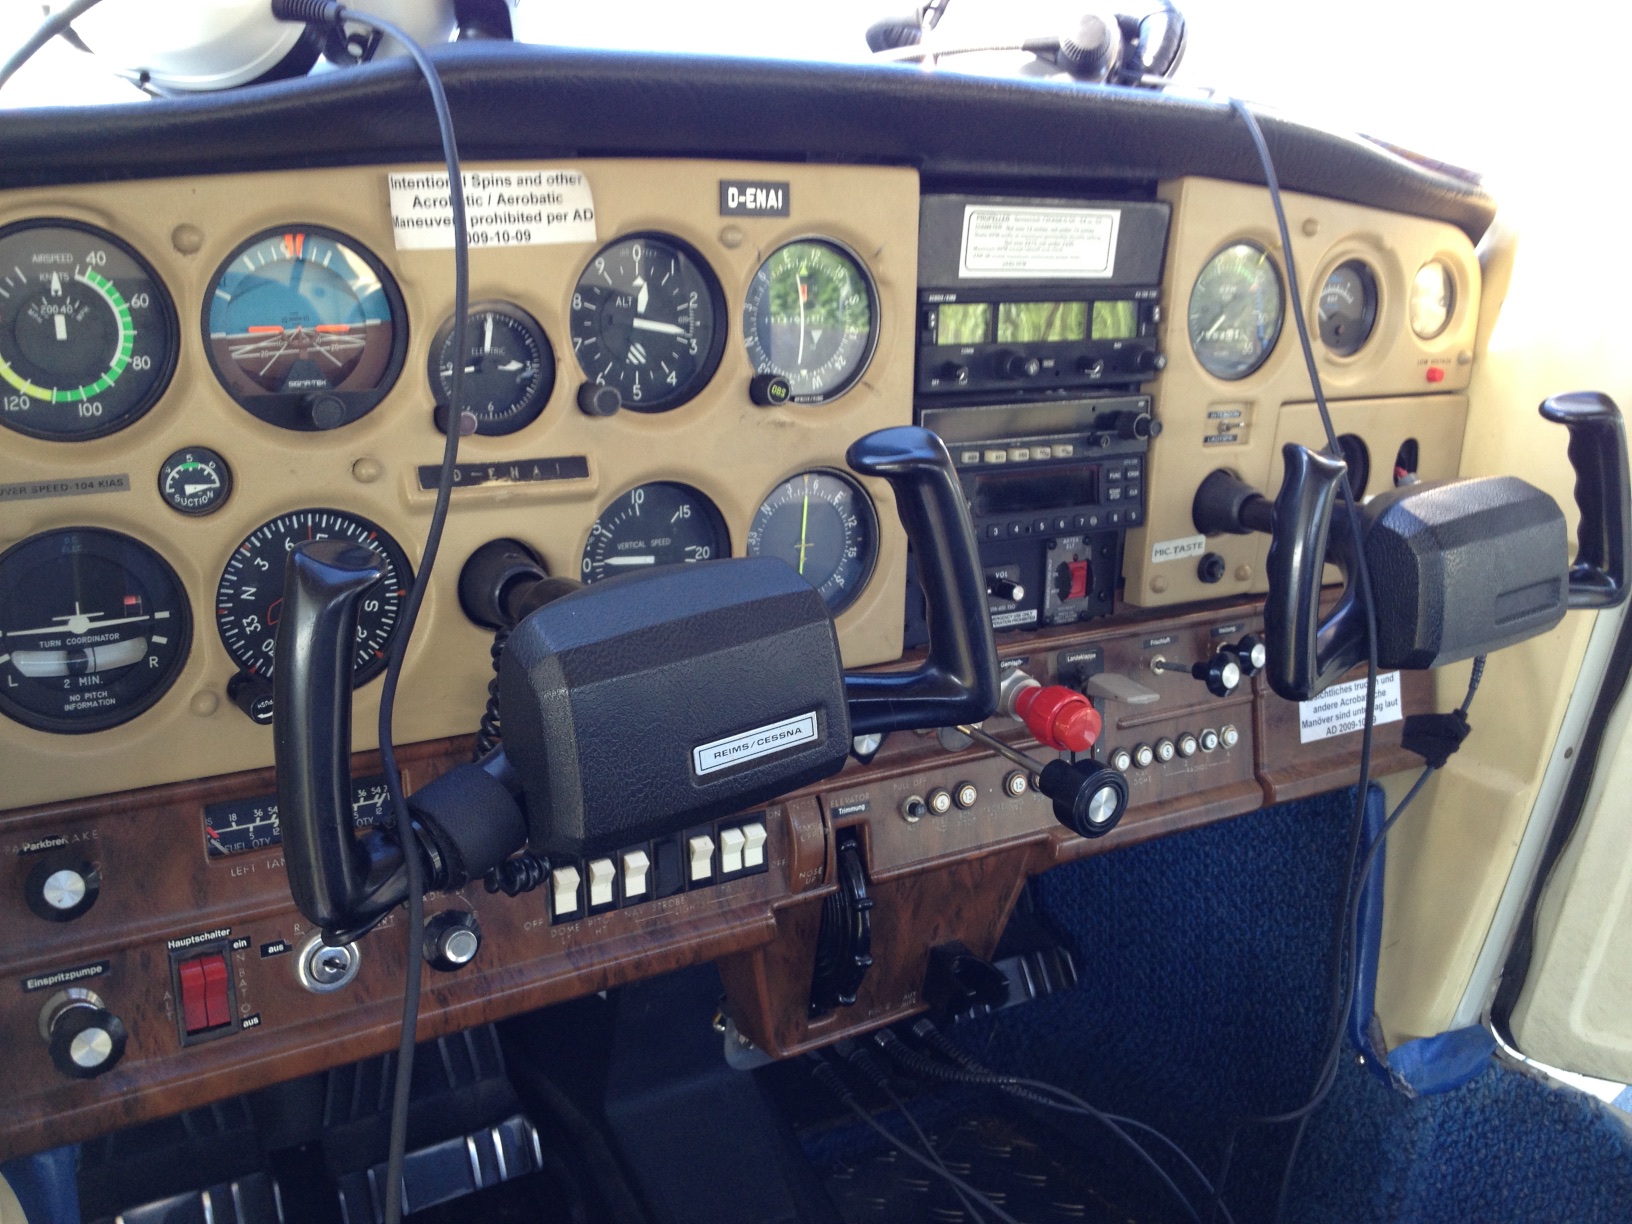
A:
x: 963, y: 322
x: 1022, y: 492
x: 1115, y: 321
x: 1041, y: 322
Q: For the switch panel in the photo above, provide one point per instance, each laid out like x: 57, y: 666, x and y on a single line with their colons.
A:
x: 564, y: 903
x: 204, y: 987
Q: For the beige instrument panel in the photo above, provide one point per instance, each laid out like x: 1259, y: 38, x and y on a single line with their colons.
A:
x: 719, y: 442
x: 1396, y: 386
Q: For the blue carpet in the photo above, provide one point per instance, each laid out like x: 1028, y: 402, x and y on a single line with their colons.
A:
x: 1509, y: 1146
x: 1205, y: 963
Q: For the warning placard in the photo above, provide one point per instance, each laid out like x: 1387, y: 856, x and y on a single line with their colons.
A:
x: 1342, y: 708
x: 1039, y: 243
x: 517, y: 207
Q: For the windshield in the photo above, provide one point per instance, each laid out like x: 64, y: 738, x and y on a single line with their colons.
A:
x: 1436, y: 76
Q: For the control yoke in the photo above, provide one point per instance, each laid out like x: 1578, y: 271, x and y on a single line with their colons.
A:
x: 631, y: 709
x: 1458, y: 567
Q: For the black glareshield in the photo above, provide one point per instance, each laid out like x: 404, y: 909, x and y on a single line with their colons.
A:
x: 1459, y: 567
x: 632, y: 708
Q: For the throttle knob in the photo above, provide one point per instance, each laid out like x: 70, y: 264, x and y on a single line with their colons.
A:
x: 1058, y: 717
x: 86, y: 1039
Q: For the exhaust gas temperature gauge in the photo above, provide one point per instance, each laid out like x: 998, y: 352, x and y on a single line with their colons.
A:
x: 87, y: 332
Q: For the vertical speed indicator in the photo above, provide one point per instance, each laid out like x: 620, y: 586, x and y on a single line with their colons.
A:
x: 661, y: 523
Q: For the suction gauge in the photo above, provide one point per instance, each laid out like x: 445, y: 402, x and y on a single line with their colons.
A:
x: 821, y: 523
x: 811, y: 316
x: 304, y: 328
x: 87, y: 332
x: 509, y: 368
x: 1348, y: 308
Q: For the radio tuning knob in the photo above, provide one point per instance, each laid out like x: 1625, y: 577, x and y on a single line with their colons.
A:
x: 1018, y: 365
x: 999, y: 587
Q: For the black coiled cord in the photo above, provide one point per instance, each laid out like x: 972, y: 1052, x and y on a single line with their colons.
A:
x: 489, y: 734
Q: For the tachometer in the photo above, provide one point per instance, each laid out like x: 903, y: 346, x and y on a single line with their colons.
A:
x: 509, y: 369
x: 822, y: 523
x: 1235, y: 312
x: 811, y: 316
x: 647, y: 320
x: 661, y: 523
x: 87, y: 332
x: 94, y: 628
x: 249, y: 597
x: 305, y: 328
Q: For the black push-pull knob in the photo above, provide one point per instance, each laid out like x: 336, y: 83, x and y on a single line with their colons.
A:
x: 1089, y: 797
x: 61, y: 891
x: 452, y: 939
x: 1221, y: 673
x: 1251, y: 653
x: 86, y: 1039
